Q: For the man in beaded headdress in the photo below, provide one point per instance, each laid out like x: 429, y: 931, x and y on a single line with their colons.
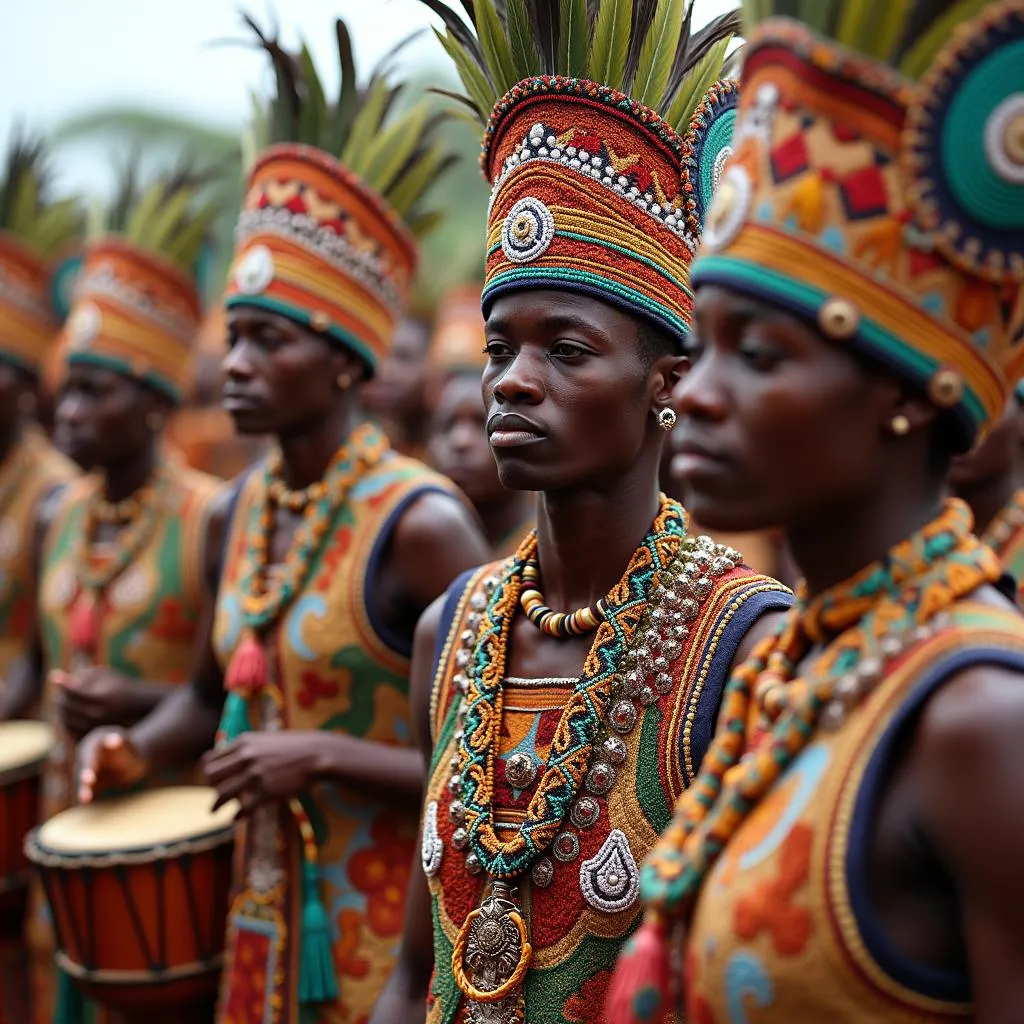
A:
x: 335, y: 546
x: 120, y: 553
x: 558, y: 741
x: 851, y: 850
x: 32, y: 229
x: 457, y: 443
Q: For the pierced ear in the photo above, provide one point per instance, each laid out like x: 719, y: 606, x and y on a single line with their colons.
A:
x: 909, y: 413
x: 667, y: 372
x: 345, y: 362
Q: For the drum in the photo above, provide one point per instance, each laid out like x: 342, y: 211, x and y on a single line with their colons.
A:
x: 138, y: 887
x: 23, y: 750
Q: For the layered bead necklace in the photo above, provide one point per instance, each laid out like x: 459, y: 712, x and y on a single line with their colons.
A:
x: 1006, y: 525
x: 863, y: 624
x: 638, y: 635
x: 264, y: 597
x: 139, y: 516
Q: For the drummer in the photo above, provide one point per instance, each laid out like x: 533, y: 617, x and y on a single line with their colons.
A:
x: 457, y: 442
x: 336, y: 545
x: 30, y: 467
x: 122, y: 551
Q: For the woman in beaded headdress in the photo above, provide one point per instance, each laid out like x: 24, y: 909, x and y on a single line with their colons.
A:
x: 991, y: 480
x: 558, y: 740
x: 33, y: 228
x: 457, y: 443
x: 121, y: 552
x: 851, y: 850
x: 335, y: 546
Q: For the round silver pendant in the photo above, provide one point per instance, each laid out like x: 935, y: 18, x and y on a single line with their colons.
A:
x: 623, y: 716
x: 543, y: 872
x: 585, y: 812
x: 473, y: 865
x: 600, y: 778
x: 614, y: 750
x: 566, y: 846
x: 520, y: 770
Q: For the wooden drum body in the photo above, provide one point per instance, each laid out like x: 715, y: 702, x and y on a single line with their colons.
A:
x: 24, y: 747
x: 138, y: 888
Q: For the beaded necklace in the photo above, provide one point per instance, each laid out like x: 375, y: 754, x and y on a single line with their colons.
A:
x: 96, y: 574
x: 264, y: 597
x: 863, y: 623
x: 1006, y: 524
x: 556, y: 624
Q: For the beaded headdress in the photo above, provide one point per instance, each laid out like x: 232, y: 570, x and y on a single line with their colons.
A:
x: 593, y: 190
x: 877, y: 189
x: 34, y: 233
x: 458, y: 343
x: 135, y: 307
x: 335, y: 201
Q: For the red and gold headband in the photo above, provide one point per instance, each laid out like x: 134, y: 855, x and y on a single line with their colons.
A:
x: 319, y: 246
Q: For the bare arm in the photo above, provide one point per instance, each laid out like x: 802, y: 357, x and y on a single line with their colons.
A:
x: 764, y: 626
x: 403, y: 1000
x: 967, y: 765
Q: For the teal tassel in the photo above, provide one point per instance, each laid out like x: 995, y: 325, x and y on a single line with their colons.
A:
x: 70, y: 1006
x: 318, y: 982
x: 235, y: 719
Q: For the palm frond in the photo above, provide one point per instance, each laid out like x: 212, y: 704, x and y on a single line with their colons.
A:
x: 643, y: 47
x: 27, y: 208
x: 368, y: 127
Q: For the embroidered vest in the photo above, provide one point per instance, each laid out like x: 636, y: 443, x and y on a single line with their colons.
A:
x: 784, y: 929
x: 335, y: 666
x: 30, y: 472
x: 148, y: 615
x: 582, y: 904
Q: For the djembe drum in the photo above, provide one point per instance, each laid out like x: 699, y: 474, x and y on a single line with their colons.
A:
x: 138, y: 887
x: 23, y: 750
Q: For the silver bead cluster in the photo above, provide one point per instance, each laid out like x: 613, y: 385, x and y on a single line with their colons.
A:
x: 542, y: 144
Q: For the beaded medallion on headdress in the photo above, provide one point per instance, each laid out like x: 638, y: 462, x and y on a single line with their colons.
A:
x: 890, y: 213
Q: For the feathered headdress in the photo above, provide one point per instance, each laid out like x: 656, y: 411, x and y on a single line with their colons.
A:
x: 335, y: 199
x: 35, y: 231
x: 878, y: 187
x: 606, y: 124
x: 136, y: 306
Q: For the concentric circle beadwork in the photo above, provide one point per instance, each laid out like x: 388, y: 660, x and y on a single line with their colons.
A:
x: 527, y: 230
x: 729, y: 208
x: 963, y: 150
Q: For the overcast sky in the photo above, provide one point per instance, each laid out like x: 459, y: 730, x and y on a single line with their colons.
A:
x: 61, y: 58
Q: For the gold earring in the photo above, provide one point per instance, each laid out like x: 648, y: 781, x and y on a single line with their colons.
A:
x: 344, y: 381
x: 666, y: 418
x: 154, y: 421
x: 899, y: 425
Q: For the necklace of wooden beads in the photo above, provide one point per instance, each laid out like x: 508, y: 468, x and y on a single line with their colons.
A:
x: 556, y: 624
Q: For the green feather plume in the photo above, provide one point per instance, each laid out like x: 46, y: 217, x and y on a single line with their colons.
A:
x: 905, y: 35
x: 644, y: 48
x: 27, y: 209
x: 170, y: 215
x: 395, y: 148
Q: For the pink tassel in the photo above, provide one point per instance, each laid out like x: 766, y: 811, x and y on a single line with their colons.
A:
x: 248, y: 671
x: 640, y: 986
x: 84, y: 627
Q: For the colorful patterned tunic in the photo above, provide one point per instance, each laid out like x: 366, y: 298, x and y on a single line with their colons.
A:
x: 335, y: 666
x: 31, y: 471
x: 148, y: 619
x: 784, y: 929
x: 579, y: 918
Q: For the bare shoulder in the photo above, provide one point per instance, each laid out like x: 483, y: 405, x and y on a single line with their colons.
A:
x: 967, y: 760
x: 764, y: 626
x: 436, y: 524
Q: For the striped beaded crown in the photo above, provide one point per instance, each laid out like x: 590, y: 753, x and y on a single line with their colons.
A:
x: 330, y: 242
x: 34, y: 232
x: 889, y: 212
x: 606, y: 124
x: 135, y: 306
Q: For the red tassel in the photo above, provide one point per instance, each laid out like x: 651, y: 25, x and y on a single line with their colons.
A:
x: 247, y: 671
x: 84, y: 627
x: 639, y: 988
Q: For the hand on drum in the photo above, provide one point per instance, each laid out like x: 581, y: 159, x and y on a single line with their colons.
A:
x: 107, y: 760
x: 95, y: 696
x: 263, y: 766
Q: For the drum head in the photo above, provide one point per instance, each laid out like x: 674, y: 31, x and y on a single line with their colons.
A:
x: 161, y: 817
x: 24, y: 743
